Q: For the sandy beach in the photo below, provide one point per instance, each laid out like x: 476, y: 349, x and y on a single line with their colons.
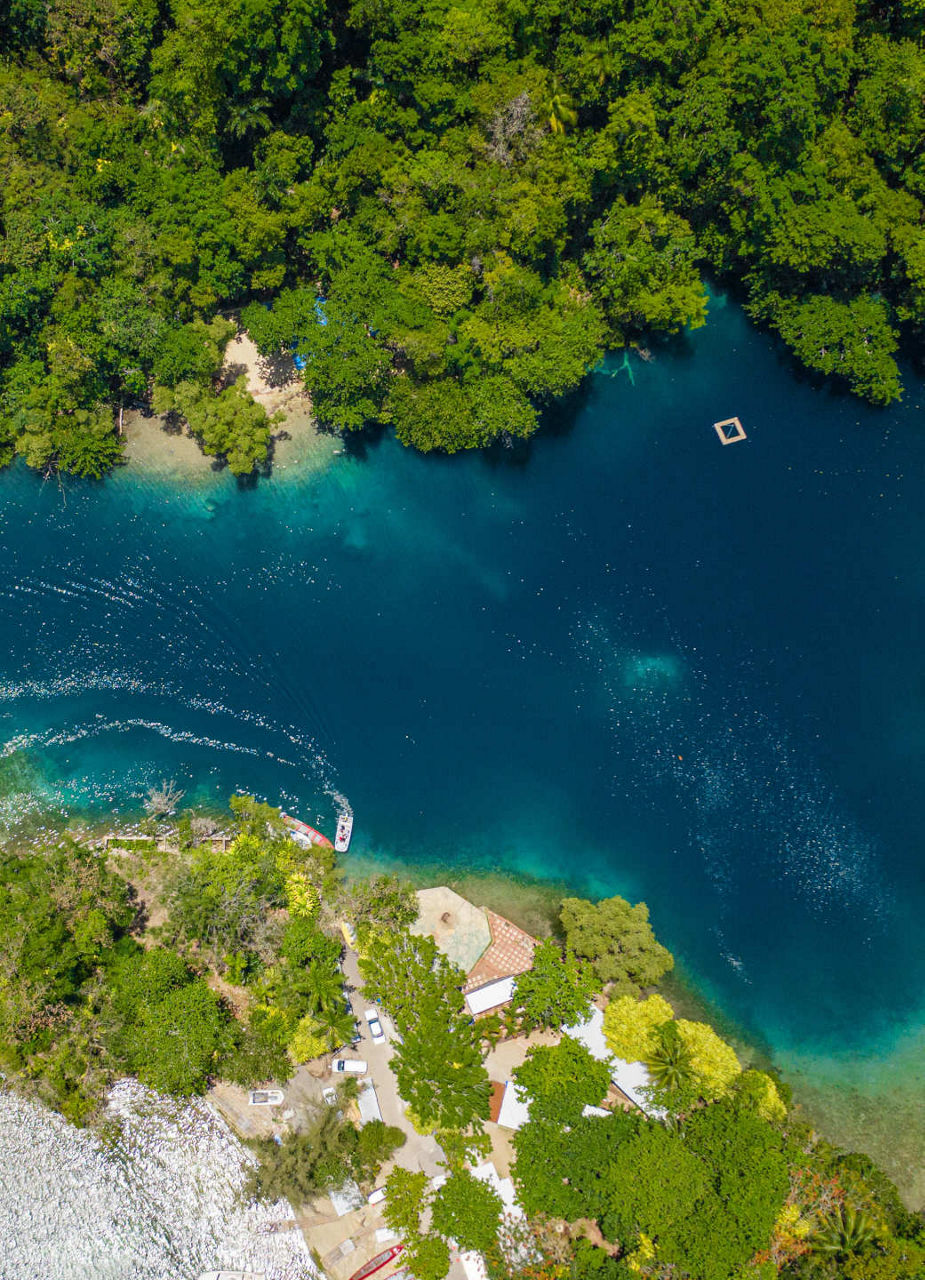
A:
x: 297, y: 446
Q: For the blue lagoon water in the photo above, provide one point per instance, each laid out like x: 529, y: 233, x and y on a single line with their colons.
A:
x: 625, y: 657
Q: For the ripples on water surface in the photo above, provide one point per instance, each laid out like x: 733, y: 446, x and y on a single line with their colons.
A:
x: 628, y: 657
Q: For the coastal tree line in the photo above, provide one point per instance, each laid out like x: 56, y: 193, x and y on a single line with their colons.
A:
x: 220, y: 959
x: 447, y: 212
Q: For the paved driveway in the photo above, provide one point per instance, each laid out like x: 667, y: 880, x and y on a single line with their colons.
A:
x: 419, y: 1152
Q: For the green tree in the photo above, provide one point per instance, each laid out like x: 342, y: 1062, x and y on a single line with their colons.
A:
x: 643, y: 266
x: 888, y: 1259
x: 556, y: 991
x: 669, y: 1061
x: 565, y: 1172
x: 559, y: 110
x: 346, y: 369
x: 322, y: 1154
x: 177, y: 1044
x: 657, y: 1185
x: 631, y: 1026
x: 618, y: 941
x: 230, y: 425
x: 853, y: 340
x: 467, y: 1210
x: 748, y: 1161
x: 223, y: 899
x: 561, y: 1079
x: 438, y: 1065
x: 405, y: 973
x: 170, y: 1029
x: 439, y: 1071
x: 407, y: 1196
x: 759, y: 1091
x: 713, y: 1064
x: 216, y: 58
x: 428, y: 1258
x: 381, y: 902
x: 192, y: 352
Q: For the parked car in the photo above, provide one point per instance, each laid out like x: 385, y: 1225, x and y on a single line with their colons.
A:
x: 265, y: 1097
x: 330, y: 1095
x: 355, y: 1066
x: 375, y: 1026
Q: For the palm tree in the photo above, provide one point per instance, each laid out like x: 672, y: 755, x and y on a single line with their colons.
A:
x: 338, y: 1025
x: 602, y: 62
x: 248, y: 117
x: 323, y: 986
x: 669, y: 1062
x: 559, y: 110
x: 844, y: 1230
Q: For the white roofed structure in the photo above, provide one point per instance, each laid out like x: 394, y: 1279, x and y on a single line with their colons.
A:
x: 368, y: 1103
x: 491, y: 996
x: 515, y: 1107
x: 503, y: 1187
x: 631, y: 1078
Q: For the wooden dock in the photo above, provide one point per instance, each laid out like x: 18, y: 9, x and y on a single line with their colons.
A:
x: 730, y: 431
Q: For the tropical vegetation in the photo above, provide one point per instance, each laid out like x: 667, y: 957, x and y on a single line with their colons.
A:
x: 447, y: 212
x: 715, y: 1177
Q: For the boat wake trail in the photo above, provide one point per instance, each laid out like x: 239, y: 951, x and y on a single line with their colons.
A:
x: 138, y: 658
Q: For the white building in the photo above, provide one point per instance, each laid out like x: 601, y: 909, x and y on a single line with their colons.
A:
x: 631, y: 1078
x: 491, y: 996
x: 368, y: 1102
x: 515, y: 1107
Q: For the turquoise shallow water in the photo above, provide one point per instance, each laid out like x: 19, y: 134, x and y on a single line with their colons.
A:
x: 626, y: 656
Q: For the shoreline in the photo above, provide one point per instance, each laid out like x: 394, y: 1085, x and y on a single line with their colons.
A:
x: 297, y: 446
x: 872, y: 1104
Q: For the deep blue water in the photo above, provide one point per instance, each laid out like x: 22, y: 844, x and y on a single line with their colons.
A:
x: 627, y: 656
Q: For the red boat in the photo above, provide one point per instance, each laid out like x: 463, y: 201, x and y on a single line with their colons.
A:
x: 376, y: 1264
x: 307, y: 833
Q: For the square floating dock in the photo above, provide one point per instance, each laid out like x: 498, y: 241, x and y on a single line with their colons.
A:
x: 730, y: 431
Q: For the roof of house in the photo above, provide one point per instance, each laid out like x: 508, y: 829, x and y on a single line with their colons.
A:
x: 473, y: 1263
x: 590, y: 1033
x: 510, y: 953
x: 515, y: 1107
x: 368, y: 1103
x: 630, y: 1077
x: 503, y: 1187
x: 491, y: 996
x: 497, y: 1097
x: 460, y: 929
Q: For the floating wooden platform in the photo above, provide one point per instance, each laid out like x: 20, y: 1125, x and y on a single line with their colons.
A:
x: 730, y: 431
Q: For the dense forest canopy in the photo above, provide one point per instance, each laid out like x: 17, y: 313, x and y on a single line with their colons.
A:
x: 448, y: 208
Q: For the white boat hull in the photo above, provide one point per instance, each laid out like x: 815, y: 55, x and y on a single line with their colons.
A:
x: 344, y: 832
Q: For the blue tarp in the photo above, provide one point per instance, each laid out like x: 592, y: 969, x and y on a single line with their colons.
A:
x: 299, y: 360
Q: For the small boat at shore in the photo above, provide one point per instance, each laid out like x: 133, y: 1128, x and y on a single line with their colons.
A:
x: 344, y: 832
x: 376, y: 1264
x: 303, y: 834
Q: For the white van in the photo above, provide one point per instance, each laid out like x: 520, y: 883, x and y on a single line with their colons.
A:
x: 356, y: 1066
